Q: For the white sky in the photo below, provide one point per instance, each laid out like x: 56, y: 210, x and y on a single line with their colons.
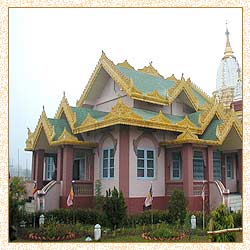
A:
x: 56, y: 50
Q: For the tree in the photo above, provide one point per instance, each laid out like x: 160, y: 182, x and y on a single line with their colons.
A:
x: 221, y: 219
x: 177, y: 207
x: 115, y: 208
x: 17, y: 196
x: 99, y: 198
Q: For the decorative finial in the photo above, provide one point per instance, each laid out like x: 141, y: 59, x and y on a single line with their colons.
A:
x: 63, y: 93
x: 228, y: 50
x: 150, y: 63
x: 43, y: 107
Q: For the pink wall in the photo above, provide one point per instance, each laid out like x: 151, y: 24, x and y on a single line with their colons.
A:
x: 140, y: 187
x: 124, y: 160
x: 109, y: 97
x: 107, y: 143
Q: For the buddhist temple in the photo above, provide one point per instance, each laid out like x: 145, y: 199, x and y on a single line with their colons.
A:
x: 131, y: 128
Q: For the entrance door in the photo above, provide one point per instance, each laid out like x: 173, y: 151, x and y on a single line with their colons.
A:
x: 231, y: 182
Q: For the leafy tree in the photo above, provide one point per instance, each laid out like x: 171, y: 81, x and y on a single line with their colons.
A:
x: 221, y: 219
x: 99, y: 198
x: 17, y: 195
x: 115, y: 208
x: 177, y: 207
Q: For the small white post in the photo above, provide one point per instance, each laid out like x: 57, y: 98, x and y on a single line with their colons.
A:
x: 97, y: 232
x: 41, y: 220
x: 193, y: 222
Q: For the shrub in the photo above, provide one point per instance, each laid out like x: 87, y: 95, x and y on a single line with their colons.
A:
x: 115, y: 209
x: 16, y: 200
x: 164, y: 231
x: 66, y: 216
x: 145, y: 218
x: 58, y: 231
x: 99, y: 198
x: 221, y: 219
x: 177, y: 207
x: 237, y: 216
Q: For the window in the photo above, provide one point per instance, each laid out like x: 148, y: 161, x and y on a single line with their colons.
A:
x: 145, y: 163
x: 81, y: 170
x: 176, y: 166
x: 217, y: 165
x: 49, y: 168
x: 108, y: 163
x: 230, y: 170
x: 198, y: 165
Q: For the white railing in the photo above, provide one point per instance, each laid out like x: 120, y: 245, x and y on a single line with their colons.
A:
x: 49, y: 197
x: 218, y: 194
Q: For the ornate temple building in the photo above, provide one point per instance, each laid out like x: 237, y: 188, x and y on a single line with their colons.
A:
x: 131, y: 128
x: 229, y: 80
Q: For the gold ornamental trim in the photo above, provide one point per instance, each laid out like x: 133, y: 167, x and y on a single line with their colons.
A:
x: 65, y: 108
x: 126, y: 64
x: 150, y: 70
x: 121, y: 114
x: 161, y: 118
x: 186, y: 123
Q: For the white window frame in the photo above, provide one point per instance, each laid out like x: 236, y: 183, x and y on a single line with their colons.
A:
x: 82, y: 170
x: 216, y: 160
x: 179, y: 166
x: 200, y: 159
x: 49, y: 163
x: 109, y: 161
x: 145, y: 163
x: 231, y: 170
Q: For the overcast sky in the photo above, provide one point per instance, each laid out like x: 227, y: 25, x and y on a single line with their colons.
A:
x: 56, y: 50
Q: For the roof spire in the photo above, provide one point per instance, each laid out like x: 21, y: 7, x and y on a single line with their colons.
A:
x: 228, y: 50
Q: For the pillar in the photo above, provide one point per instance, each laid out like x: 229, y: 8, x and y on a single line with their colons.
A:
x: 92, y: 166
x: 187, y: 162
x: 39, y: 165
x: 124, y: 160
x: 239, y: 171
x: 67, y: 170
x: 34, y: 165
x: 223, y: 169
x: 167, y: 169
x: 59, y: 164
x: 210, y: 164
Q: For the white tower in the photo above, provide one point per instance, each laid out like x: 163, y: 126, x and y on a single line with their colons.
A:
x: 229, y: 75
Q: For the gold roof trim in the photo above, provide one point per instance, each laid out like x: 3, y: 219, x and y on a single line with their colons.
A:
x: 121, y: 110
x: 161, y: 118
x: 111, y: 69
x: 126, y: 64
x: 70, y: 115
x: 123, y: 114
x: 155, y: 94
x: 172, y: 77
x: 67, y: 138
x: 132, y: 89
x: 175, y: 91
x: 89, y: 120
x: 231, y: 121
x: 48, y: 129
x: 186, y: 123
x: 150, y: 70
x: 187, y: 135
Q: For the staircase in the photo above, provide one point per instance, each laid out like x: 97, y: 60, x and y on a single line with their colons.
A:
x: 235, y: 202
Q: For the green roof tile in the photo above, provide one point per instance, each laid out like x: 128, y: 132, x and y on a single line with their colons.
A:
x: 194, y: 118
x: 81, y: 114
x: 59, y: 125
x: 145, y: 114
x: 202, y: 100
x: 147, y: 83
x: 210, y: 132
x: 175, y: 118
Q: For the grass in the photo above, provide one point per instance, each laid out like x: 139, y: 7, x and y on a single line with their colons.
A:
x: 133, y: 235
